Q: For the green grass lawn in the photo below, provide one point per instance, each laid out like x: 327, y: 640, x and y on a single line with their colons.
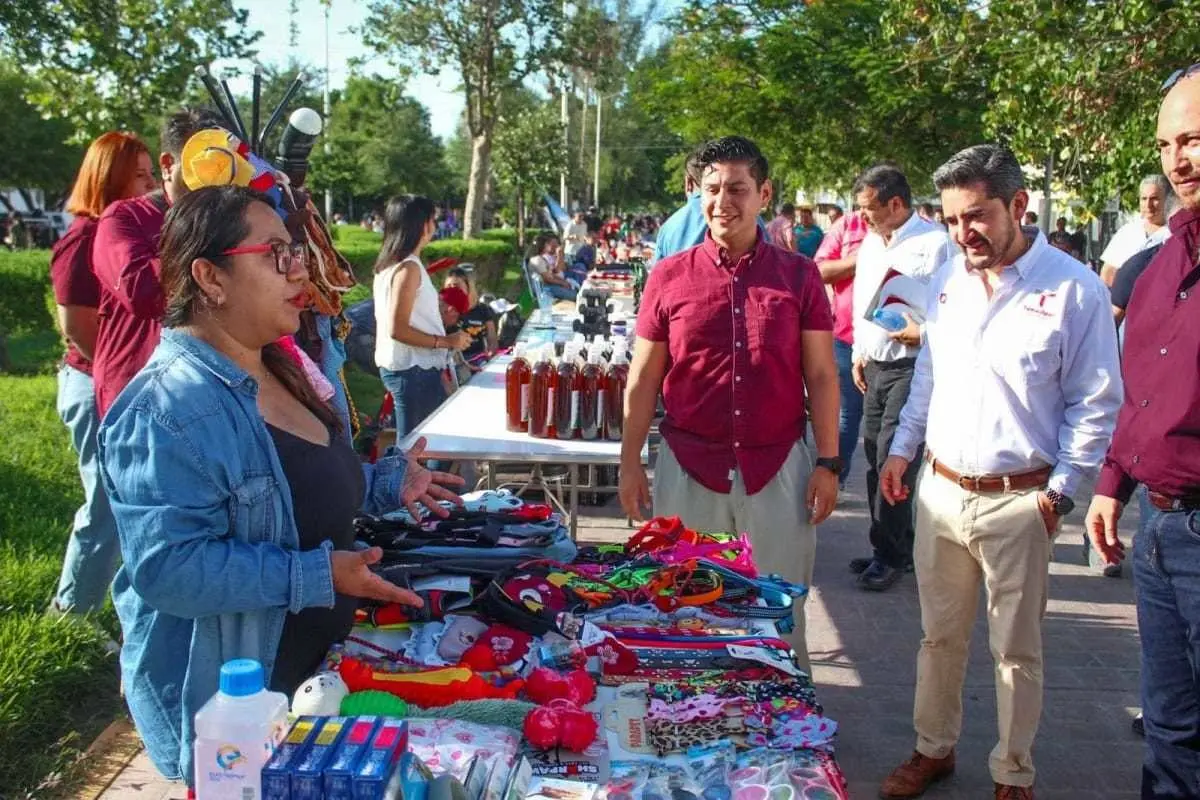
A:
x: 58, y: 687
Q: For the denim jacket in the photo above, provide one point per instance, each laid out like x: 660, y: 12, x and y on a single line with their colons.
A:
x: 208, y: 537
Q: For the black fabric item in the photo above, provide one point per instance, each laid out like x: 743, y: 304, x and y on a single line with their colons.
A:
x: 891, y: 525
x: 477, y: 317
x: 1127, y: 275
x: 327, y: 486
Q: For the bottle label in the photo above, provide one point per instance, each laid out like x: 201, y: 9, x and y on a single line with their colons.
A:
x: 574, y: 409
x: 600, y: 408
x: 525, y: 402
x: 550, y: 405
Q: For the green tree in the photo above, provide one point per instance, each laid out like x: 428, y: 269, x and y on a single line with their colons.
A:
x: 529, y: 155
x: 814, y: 84
x: 381, y: 144
x: 119, y: 64
x: 34, y: 149
x: 1070, y: 81
x: 495, y: 45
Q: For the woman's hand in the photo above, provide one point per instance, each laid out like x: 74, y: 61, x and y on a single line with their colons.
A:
x: 459, y: 340
x: 422, y: 485
x: 352, y: 577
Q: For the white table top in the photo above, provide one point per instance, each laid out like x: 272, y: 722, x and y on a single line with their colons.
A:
x: 471, y: 425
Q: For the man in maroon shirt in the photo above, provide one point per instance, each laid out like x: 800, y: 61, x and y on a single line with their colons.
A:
x: 733, y: 331
x: 125, y: 258
x: 1157, y: 444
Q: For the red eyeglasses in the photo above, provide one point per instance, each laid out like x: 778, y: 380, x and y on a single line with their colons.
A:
x: 286, y: 253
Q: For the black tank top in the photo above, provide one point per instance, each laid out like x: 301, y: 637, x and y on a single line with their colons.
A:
x: 327, y: 487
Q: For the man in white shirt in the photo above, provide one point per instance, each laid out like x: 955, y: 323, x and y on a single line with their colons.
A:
x: 1015, y: 397
x: 576, y: 234
x: 1149, y: 229
x: 904, y: 251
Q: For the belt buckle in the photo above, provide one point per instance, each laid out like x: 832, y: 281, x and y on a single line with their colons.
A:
x: 964, y: 483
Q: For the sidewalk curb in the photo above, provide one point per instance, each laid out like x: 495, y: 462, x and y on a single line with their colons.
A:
x: 106, y: 757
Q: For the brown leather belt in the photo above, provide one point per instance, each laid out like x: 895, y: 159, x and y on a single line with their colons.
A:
x: 1017, y: 482
x: 1165, y: 502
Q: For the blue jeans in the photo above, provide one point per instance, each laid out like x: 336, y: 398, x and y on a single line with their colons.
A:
x: 417, y: 393
x: 561, y: 292
x: 93, y: 549
x: 1166, y: 579
x: 850, y: 416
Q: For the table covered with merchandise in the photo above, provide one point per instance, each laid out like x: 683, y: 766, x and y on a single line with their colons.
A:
x: 649, y: 670
x: 471, y: 424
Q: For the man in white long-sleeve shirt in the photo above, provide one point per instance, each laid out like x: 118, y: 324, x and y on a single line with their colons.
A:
x: 897, y: 259
x: 1015, y: 396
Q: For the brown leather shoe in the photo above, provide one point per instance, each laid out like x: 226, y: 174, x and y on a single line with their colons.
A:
x: 1004, y: 792
x: 914, y: 776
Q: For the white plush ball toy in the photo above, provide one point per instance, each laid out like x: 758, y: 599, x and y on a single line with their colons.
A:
x: 321, y: 696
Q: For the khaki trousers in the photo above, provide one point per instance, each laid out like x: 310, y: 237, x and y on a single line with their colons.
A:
x: 962, y: 539
x: 776, y: 518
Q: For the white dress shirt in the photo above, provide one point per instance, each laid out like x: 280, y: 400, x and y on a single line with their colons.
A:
x: 1129, y: 240
x: 1028, y: 379
x: 917, y: 249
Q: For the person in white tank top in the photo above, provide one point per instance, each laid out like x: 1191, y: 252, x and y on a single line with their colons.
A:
x: 412, y: 347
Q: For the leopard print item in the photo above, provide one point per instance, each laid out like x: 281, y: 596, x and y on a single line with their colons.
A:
x: 676, y: 737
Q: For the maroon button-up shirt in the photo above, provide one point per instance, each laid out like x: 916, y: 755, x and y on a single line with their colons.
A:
x: 125, y: 258
x: 1157, y: 440
x: 734, y: 387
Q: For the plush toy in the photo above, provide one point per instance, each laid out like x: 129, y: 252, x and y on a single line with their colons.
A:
x: 560, y: 723
x: 321, y: 695
x: 545, y: 685
x: 373, y: 702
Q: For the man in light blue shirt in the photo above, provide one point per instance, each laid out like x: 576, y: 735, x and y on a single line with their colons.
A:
x: 686, y: 227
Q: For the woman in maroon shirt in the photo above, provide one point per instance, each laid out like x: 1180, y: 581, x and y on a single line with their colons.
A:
x: 117, y: 166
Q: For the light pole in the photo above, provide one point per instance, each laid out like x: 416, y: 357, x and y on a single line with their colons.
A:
x: 566, y: 125
x: 325, y: 144
x: 596, y: 172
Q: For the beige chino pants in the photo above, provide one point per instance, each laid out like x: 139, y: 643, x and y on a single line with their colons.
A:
x: 776, y: 519
x: 963, y: 539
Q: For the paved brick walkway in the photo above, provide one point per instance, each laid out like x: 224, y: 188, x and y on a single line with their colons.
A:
x: 864, y: 648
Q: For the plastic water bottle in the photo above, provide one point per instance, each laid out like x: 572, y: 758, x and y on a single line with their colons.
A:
x: 889, y: 320
x: 237, y: 731
x: 546, y: 304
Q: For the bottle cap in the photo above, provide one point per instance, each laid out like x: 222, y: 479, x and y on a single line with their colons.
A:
x: 241, y: 677
x: 620, y: 356
x: 595, y: 356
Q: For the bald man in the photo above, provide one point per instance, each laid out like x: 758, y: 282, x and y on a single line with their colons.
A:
x: 1157, y: 445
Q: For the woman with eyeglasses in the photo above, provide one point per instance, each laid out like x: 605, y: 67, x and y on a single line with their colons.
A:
x: 233, y: 493
x: 412, y: 347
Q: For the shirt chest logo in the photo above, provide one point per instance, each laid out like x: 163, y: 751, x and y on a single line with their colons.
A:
x: 1043, y: 304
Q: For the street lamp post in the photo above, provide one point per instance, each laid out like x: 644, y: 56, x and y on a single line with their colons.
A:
x: 325, y: 144
x: 596, y: 170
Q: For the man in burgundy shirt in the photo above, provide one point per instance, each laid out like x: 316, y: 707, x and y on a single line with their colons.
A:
x: 1157, y: 444
x: 733, y: 331
x: 125, y: 258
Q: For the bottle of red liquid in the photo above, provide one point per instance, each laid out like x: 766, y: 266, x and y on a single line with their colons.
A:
x: 516, y: 390
x: 591, y: 393
x: 541, y: 394
x: 566, y: 394
x: 614, y: 393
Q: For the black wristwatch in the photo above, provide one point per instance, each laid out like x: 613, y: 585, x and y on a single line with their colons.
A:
x: 1062, y: 504
x: 834, y: 464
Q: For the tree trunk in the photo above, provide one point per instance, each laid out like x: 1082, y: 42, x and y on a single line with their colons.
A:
x: 520, y: 204
x: 481, y: 161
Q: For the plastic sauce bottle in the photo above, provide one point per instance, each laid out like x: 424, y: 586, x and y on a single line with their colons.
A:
x: 614, y: 393
x: 566, y: 394
x: 516, y: 390
x: 237, y: 731
x: 541, y: 394
x: 591, y: 396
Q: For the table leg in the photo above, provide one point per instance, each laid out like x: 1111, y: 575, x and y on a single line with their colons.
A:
x: 574, y: 476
